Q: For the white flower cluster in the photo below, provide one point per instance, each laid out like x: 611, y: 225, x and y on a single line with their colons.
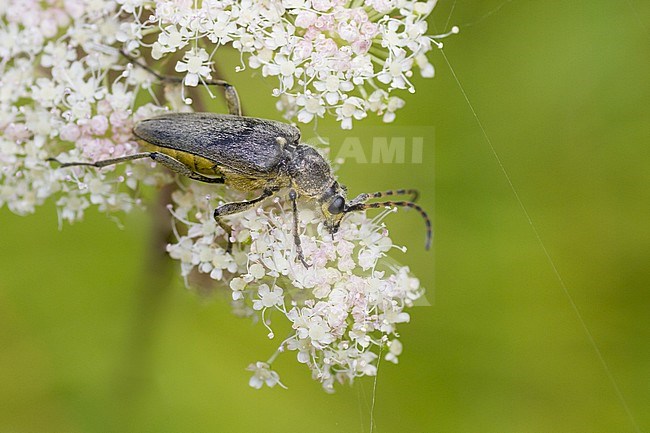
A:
x: 343, y: 57
x: 65, y: 92
x: 62, y: 94
x: 343, y: 309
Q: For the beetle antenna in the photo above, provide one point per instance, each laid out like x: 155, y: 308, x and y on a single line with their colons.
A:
x: 422, y: 212
x: 414, y: 193
x: 362, y: 198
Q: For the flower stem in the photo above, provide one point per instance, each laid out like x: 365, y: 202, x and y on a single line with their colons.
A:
x: 133, y: 370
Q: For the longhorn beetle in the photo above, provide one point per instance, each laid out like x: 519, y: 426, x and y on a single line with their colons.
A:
x: 248, y: 154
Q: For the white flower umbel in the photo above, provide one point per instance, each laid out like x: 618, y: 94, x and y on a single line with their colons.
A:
x: 67, y: 93
x: 64, y: 94
x: 342, y: 57
x: 342, y: 309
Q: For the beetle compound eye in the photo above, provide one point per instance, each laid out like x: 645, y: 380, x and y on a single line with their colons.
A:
x: 337, y: 205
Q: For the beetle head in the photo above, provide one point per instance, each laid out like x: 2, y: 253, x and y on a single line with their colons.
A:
x: 333, y: 206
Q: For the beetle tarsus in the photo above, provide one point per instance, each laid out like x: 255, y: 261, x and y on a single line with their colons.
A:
x: 302, y: 260
x: 225, y: 228
x: 232, y: 100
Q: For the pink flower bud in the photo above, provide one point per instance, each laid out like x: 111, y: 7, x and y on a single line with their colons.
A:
x: 99, y: 125
x: 70, y: 132
x: 305, y: 19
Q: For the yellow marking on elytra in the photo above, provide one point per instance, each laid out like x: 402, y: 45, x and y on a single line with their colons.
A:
x: 195, y: 163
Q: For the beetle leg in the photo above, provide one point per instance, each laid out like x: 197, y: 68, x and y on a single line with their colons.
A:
x: 296, y: 237
x: 104, y: 162
x: 237, y: 207
x: 166, y: 160
x: 232, y: 98
x: 180, y: 168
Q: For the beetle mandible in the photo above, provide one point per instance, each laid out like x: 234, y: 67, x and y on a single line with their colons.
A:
x: 249, y: 154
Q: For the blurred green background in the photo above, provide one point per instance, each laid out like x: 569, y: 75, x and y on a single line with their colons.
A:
x: 562, y: 90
